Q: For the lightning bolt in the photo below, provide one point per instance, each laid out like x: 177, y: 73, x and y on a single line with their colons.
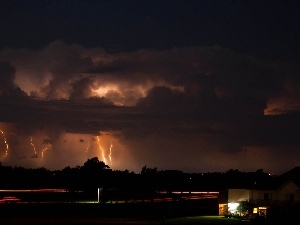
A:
x: 110, y: 150
x: 102, y: 151
x: 88, y: 147
x: 6, y: 144
x: 45, y: 149
x: 34, y: 151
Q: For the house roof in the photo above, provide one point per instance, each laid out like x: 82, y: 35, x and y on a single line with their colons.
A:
x: 271, y: 182
x: 293, y: 175
x: 277, y: 182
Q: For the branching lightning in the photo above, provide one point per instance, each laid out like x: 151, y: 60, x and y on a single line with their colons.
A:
x: 45, y: 149
x: 108, y: 153
x: 102, y: 151
x: 45, y: 141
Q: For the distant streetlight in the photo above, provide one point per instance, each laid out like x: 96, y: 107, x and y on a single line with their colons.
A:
x: 99, y: 190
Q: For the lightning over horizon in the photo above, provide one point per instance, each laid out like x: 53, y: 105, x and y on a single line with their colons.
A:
x: 106, y: 155
x: 102, y: 150
x: 187, y: 85
x: 19, y: 146
x: 45, y: 149
x: 110, y: 153
x: 5, y: 143
x: 35, y: 155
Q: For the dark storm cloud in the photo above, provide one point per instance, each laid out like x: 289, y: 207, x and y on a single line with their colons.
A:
x: 191, y: 85
x: 209, y: 76
x: 7, y: 86
x: 215, y: 83
x: 7, y: 77
x: 51, y: 68
x: 186, y: 102
x: 81, y: 88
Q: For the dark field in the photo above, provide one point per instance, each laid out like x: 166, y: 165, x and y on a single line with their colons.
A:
x: 89, y: 213
x: 171, y: 213
x: 96, y: 213
x: 213, y: 220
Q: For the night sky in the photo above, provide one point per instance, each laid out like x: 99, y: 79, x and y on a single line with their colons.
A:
x: 196, y: 86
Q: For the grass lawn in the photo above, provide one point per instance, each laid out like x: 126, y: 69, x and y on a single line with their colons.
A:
x: 213, y: 220
x: 204, y: 220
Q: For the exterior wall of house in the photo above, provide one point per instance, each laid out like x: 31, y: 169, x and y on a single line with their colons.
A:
x: 261, y: 199
x: 288, y: 192
x: 238, y: 195
x: 262, y: 195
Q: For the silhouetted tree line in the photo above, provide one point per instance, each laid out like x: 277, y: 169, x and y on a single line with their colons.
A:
x: 95, y: 174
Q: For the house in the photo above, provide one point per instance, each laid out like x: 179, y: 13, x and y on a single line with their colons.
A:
x: 280, y: 191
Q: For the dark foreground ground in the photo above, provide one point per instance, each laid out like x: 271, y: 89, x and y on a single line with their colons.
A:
x: 76, y: 220
x: 117, y: 210
x: 171, y: 213
x: 73, y: 221
x: 83, y: 213
x: 194, y: 220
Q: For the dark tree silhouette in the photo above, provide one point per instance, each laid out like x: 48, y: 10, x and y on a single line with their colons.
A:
x: 95, y: 164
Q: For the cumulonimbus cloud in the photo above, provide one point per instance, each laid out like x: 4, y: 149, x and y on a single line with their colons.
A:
x: 170, y: 100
